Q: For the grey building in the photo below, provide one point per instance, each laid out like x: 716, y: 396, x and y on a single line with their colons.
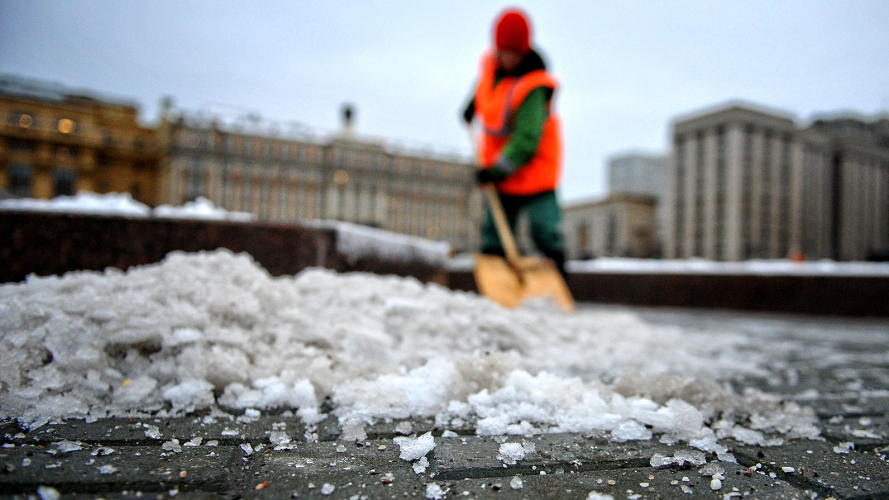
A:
x: 643, y: 174
x: 638, y: 173
x: 292, y: 177
x: 746, y: 182
x: 845, y: 207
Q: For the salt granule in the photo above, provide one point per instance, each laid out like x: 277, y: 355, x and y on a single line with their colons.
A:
x: 412, y: 448
x: 595, y: 495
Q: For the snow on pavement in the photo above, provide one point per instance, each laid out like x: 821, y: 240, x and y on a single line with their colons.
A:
x: 215, y: 328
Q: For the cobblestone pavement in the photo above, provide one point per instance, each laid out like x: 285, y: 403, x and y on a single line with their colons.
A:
x: 838, y: 367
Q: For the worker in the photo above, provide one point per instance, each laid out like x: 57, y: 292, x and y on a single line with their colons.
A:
x: 520, y: 143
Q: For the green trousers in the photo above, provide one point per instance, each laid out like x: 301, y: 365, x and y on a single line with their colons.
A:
x: 544, y: 217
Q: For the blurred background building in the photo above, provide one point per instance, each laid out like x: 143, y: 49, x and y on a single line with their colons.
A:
x: 740, y: 182
x: 748, y: 182
x: 248, y: 167
x: 626, y: 222
x: 618, y: 225
x: 57, y: 141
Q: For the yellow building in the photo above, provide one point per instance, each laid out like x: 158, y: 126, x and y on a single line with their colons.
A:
x: 55, y: 141
x: 281, y: 177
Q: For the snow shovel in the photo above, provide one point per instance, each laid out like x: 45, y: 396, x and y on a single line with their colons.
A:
x: 512, y: 280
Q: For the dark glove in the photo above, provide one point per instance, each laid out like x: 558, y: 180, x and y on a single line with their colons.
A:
x: 488, y: 175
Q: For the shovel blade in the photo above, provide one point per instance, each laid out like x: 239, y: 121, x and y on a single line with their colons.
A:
x: 530, y: 277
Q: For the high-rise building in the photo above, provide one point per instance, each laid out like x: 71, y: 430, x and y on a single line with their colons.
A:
x: 747, y: 182
x: 283, y: 177
x: 638, y: 173
x: 57, y: 141
x: 642, y: 174
x: 845, y: 207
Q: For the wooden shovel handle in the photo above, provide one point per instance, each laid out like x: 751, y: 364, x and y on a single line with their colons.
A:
x: 500, y: 222
x: 502, y: 225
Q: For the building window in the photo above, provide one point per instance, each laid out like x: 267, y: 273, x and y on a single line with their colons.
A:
x: 19, y: 176
x: 195, y: 181
x: 64, y: 182
x: 23, y: 120
x: 66, y: 125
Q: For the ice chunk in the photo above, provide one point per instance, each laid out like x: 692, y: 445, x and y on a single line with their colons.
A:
x: 278, y: 438
x: 693, y: 457
x: 327, y: 488
x: 190, y: 395
x: 516, y: 483
x: 631, y: 431
x: 421, y: 465
x: 711, y: 469
x: 595, y: 495
x: 48, y: 493
x: 353, y: 430
x: 412, y: 448
x: 434, y: 491
x: 510, y: 453
x: 152, y: 431
x: 404, y: 427
x: 843, y: 448
x: 107, y: 469
x: 172, y: 445
x: 65, y: 446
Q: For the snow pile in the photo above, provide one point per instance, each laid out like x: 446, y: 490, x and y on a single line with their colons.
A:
x: 83, y: 202
x: 201, y: 208
x: 775, y: 267
x: 123, y: 204
x: 215, y: 328
x: 357, y: 242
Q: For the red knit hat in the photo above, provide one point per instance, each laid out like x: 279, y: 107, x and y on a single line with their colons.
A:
x: 512, y: 31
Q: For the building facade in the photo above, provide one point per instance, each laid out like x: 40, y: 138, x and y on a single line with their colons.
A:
x: 644, y: 174
x: 345, y: 178
x: 747, y: 183
x: 619, y: 225
x: 845, y: 207
x: 56, y: 141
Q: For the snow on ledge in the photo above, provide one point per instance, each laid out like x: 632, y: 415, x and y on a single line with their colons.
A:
x: 201, y: 208
x: 356, y: 241
x: 84, y: 202
x: 750, y: 267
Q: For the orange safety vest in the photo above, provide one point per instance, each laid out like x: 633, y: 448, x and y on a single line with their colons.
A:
x: 496, y: 106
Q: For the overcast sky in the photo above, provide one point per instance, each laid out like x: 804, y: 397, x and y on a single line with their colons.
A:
x: 626, y: 68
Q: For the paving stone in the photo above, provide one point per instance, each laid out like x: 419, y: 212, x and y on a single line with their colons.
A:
x: 817, y: 466
x: 868, y: 433
x: 142, y: 468
x: 633, y: 483
x: 461, y: 457
x: 138, y: 431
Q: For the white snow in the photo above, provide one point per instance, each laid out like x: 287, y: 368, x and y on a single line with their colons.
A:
x: 201, y: 208
x: 122, y: 204
x: 510, y: 453
x: 357, y: 242
x: 165, y: 339
x: 762, y: 267
x: 83, y: 202
x: 414, y: 448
